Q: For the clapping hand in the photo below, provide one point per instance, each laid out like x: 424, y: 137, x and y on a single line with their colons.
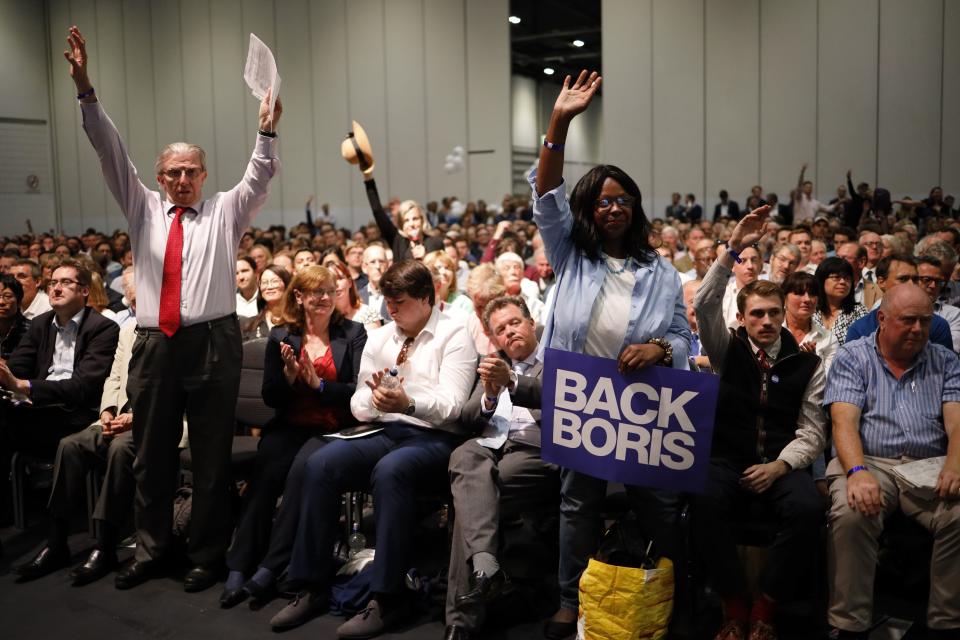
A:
x: 387, y: 400
x: 494, y: 374
x: 809, y: 346
x: 307, y: 371
x: 291, y: 366
x: 574, y: 99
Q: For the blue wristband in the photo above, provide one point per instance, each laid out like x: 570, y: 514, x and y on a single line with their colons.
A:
x: 553, y: 146
x: 735, y: 255
x: 853, y: 470
x: 86, y: 94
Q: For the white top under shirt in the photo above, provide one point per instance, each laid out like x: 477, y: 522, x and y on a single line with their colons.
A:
x: 611, y: 311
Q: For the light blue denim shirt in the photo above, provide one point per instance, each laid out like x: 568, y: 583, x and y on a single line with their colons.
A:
x: 656, y: 309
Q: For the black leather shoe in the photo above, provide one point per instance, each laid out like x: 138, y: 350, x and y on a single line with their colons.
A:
x: 48, y: 560
x: 200, y: 578
x: 260, y: 594
x: 136, y: 573
x: 98, y: 564
x: 554, y: 629
x: 232, y: 597
x: 485, y: 588
x: 456, y: 632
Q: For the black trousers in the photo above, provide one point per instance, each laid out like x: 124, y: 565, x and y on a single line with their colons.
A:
x: 195, y: 372
x: 792, y: 502
x: 276, y: 452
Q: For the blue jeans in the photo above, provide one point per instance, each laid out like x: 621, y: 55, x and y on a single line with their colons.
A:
x: 581, y: 525
x: 394, y: 463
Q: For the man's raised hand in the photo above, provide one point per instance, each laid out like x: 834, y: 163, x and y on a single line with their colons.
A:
x: 76, y: 56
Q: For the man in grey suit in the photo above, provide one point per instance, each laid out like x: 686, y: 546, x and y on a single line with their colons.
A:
x: 502, y: 471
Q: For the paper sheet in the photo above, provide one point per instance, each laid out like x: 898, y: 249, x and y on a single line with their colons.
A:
x: 920, y: 476
x: 260, y: 71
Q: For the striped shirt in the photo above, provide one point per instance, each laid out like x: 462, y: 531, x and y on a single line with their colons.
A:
x: 898, y: 417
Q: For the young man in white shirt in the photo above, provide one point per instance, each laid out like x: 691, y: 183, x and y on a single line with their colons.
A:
x: 418, y: 429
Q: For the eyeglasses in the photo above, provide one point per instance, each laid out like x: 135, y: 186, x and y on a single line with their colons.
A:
x: 837, y: 277
x: 925, y: 280
x: 63, y: 282
x: 875, y: 243
x: 7, y: 297
x: 271, y: 284
x: 624, y: 202
x: 190, y: 172
x: 320, y: 293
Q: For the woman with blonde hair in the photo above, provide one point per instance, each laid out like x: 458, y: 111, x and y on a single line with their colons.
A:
x: 406, y: 235
x: 310, y: 372
x: 449, y: 297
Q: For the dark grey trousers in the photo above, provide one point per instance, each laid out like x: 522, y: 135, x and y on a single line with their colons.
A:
x: 195, y: 372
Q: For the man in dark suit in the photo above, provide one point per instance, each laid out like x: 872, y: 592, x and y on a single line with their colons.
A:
x: 502, y: 471
x: 56, y: 374
x: 726, y: 208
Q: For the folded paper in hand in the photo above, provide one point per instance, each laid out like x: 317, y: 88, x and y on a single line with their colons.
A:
x: 920, y: 476
x: 260, y: 71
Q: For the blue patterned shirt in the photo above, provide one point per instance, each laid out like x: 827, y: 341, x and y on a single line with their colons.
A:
x: 897, y: 417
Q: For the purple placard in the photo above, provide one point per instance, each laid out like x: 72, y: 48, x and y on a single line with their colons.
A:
x: 651, y: 428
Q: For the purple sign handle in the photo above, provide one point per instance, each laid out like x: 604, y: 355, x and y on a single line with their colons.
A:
x: 651, y: 428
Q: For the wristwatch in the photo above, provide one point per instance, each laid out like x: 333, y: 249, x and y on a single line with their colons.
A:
x: 411, y: 408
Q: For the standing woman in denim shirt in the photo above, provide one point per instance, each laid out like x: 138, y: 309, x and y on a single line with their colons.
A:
x: 624, y: 302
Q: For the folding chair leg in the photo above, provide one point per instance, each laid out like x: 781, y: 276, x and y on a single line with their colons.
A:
x: 17, y: 472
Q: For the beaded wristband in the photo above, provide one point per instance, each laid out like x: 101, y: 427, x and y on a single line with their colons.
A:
x: 554, y: 146
x: 85, y: 94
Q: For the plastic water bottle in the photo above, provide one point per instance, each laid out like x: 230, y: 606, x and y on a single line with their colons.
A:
x: 357, y: 542
x: 391, y: 380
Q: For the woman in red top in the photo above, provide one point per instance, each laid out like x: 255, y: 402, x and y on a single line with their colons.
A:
x: 310, y: 372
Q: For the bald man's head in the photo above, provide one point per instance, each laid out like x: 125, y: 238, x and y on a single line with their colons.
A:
x: 904, y: 317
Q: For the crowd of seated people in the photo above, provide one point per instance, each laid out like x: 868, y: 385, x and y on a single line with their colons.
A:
x: 833, y: 329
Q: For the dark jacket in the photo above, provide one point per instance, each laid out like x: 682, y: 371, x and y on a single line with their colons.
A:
x: 527, y: 395
x: 347, y: 339
x: 9, y: 342
x: 93, y: 357
x: 733, y: 210
x: 757, y: 411
x: 399, y: 244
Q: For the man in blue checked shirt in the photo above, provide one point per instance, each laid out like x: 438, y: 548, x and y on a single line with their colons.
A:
x: 894, y: 397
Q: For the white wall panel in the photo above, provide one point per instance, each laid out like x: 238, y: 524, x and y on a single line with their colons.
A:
x: 732, y: 98
x: 112, y: 82
x: 846, y: 94
x: 331, y: 113
x: 628, y: 89
x: 446, y: 105
x: 406, y: 99
x: 488, y: 93
x: 294, y: 42
x: 232, y: 142
x: 909, y: 104
x: 788, y: 94
x: 65, y: 118
x: 366, y: 90
x: 678, y: 101
x: 950, y: 141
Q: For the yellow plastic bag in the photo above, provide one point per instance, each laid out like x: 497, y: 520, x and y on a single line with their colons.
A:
x: 623, y: 603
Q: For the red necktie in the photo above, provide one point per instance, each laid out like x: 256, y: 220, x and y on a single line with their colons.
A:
x: 172, y: 270
x: 762, y: 360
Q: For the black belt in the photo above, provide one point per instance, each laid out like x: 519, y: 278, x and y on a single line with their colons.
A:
x: 193, y: 328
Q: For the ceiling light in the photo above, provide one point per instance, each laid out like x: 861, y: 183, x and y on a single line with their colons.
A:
x: 514, y: 19
x: 578, y: 43
x: 548, y: 71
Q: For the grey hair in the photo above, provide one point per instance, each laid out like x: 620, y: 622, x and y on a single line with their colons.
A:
x: 936, y: 248
x: 792, y: 248
x: 176, y: 148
